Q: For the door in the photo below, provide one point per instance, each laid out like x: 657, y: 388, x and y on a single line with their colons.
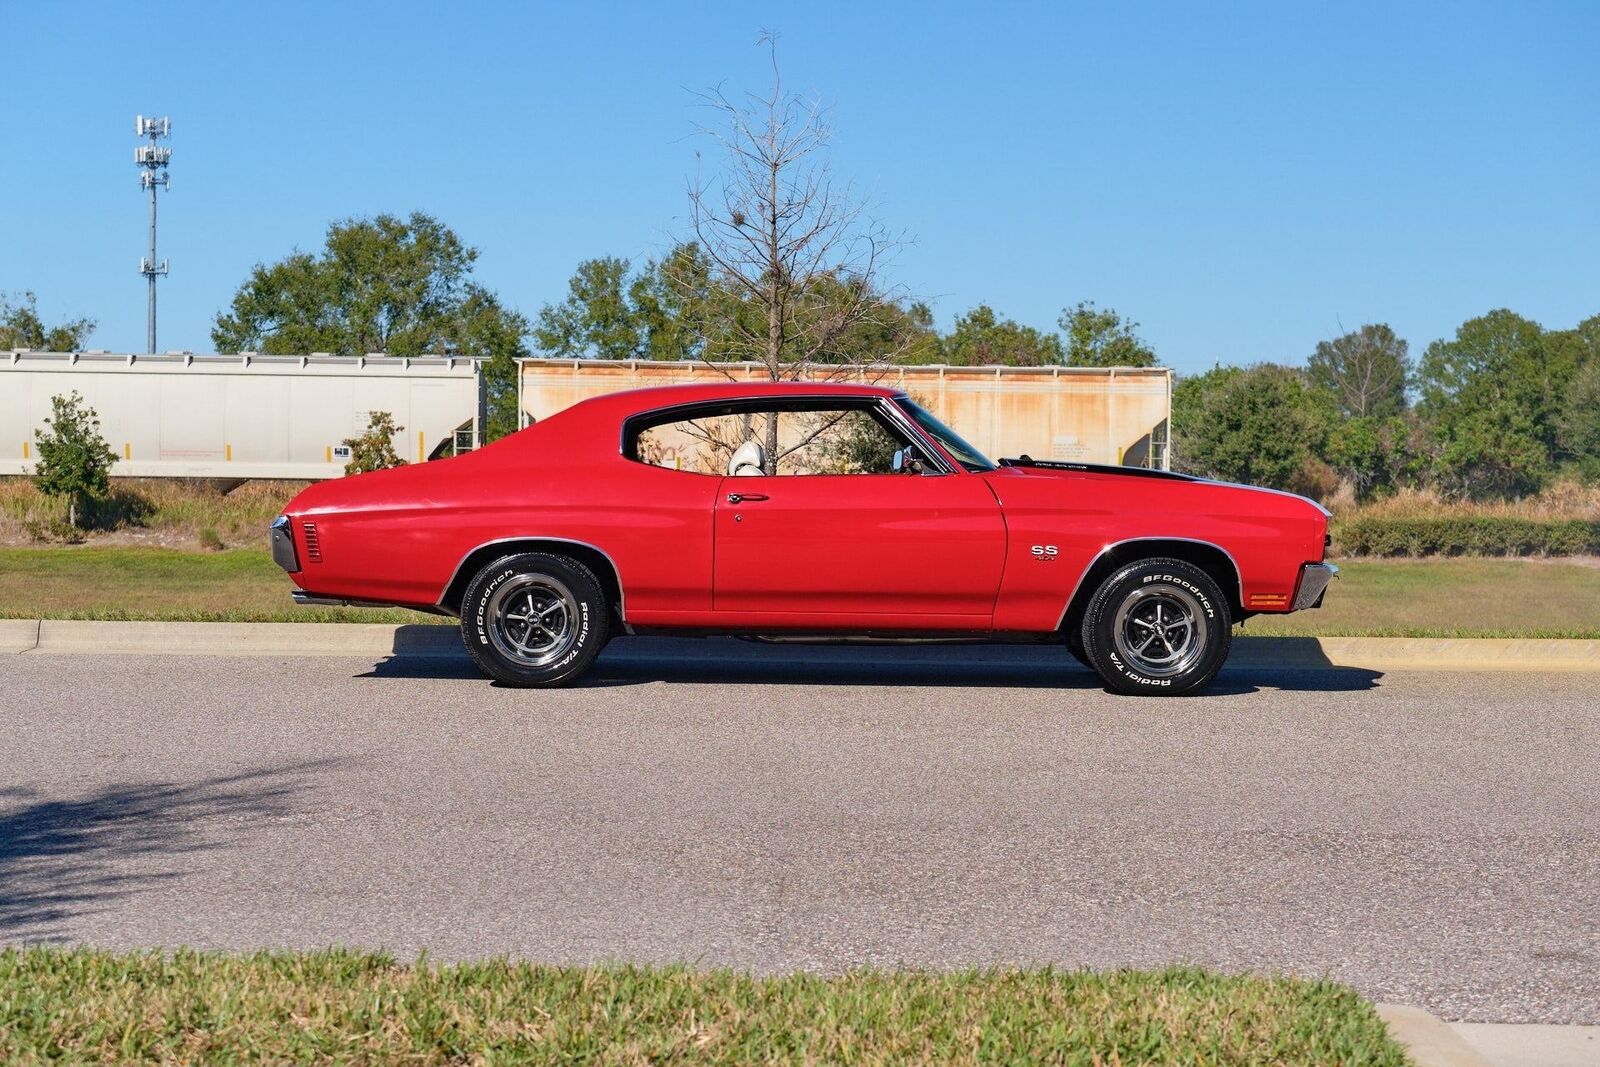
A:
x: 896, y: 550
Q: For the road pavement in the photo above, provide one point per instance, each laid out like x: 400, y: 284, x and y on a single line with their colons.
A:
x: 1433, y: 838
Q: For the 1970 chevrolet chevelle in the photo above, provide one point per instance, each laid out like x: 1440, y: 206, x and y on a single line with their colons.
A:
x: 803, y: 511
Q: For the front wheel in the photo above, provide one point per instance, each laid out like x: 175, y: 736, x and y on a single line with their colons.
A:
x: 1158, y: 627
x: 535, y: 619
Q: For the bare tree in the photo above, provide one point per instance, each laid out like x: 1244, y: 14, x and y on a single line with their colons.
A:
x: 1366, y: 371
x: 795, y: 254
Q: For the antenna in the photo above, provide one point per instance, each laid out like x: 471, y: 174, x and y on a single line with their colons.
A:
x: 152, y: 159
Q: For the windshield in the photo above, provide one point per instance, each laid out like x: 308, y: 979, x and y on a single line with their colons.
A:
x: 965, y: 454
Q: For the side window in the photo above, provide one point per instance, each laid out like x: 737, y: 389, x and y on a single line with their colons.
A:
x: 813, y: 441
x: 850, y: 441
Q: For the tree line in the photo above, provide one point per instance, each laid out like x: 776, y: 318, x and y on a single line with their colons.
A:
x: 1499, y: 410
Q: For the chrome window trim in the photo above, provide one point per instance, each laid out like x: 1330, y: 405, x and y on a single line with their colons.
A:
x: 954, y: 465
x: 917, y: 436
x: 863, y: 401
x: 1238, y: 575
x: 622, y: 595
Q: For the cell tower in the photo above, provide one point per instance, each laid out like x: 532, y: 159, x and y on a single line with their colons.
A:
x: 152, y: 160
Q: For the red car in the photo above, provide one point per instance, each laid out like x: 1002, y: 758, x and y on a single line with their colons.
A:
x: 802, y: 510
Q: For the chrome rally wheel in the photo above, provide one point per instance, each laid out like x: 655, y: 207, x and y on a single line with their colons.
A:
x: 1160, y: 631
x: 533, y: 619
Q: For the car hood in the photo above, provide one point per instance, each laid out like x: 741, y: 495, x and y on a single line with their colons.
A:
x: 1152, y: 482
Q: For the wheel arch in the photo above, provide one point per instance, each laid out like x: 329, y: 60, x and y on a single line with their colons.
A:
x: 591, y: 556
x: 1212, y: 558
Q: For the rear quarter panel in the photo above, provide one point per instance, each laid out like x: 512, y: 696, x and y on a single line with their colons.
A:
x: 398, y: 536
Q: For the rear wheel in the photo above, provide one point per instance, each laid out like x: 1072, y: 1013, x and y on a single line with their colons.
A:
x: 1159, y: 627
x: 535, y: 619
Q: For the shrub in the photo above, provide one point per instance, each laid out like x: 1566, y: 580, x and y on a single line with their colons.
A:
x: 74, y: 460
x: 374, y: 449
x: 209, y: 539
x: 1464, y: 535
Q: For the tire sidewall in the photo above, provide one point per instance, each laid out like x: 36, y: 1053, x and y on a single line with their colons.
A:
x: 1099, y: 623
x: 592, y: 618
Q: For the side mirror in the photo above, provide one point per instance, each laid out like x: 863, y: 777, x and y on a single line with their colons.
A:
x: 906, y: 461
x: 899, y: 460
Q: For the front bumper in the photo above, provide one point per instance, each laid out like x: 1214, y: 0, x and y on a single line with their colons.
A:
x: 1314, y: 579
x: 283, y: 553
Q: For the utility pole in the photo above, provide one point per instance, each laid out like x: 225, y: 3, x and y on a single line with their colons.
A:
x: 152, y: 161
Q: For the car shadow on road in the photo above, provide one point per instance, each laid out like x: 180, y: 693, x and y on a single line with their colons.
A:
x: 712, y: 661
x: 61, y: 858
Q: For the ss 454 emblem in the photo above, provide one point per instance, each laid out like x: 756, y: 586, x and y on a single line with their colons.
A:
x: 1044, y: 553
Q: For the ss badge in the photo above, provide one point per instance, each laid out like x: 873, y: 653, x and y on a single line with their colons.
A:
x: 1044, y: 553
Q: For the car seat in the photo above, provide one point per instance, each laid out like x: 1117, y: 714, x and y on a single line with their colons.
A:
x: 749, y: 458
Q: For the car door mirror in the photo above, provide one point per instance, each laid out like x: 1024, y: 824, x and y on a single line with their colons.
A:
x: 906, y: 461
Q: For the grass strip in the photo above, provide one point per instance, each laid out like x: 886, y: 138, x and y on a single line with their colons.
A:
x: 1449, y: 598
x: 1371, y: 598
x: 78, y: 1005
x: 137, y: 583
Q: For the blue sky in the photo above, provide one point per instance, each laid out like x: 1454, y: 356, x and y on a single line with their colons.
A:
x: 1243, y: 180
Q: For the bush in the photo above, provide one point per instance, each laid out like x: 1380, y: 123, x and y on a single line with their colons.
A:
x: 74, y: 460
x: 374, y: 449
x: 1464, y: 535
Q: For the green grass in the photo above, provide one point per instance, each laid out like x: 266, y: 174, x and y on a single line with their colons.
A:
x: 1449, y: 598
x: 239, y: 585
x: 1371, y: 598
x: 77, y: 1005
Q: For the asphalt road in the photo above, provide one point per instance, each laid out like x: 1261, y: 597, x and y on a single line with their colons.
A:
x: 1432, y: 838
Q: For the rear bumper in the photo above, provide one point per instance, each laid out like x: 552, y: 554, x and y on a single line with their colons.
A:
x: 1314, y: 579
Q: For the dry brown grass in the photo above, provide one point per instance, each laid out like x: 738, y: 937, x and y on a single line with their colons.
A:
x: 1563, y: 500
x: 170, y: 512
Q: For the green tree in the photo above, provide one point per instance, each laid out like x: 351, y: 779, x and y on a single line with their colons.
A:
x: 1365, y: 371
x: 1375, y: 455
x: 1260, y: 425
x: 398, y: 286
x: 21, y: 327
x: 1578, y: 427
x: 374, y: 450
x: 483, y: 327
x: 74, y: 460
x: 982, y: 338
x: 596, y: 320
x: 672, y: 309
x: 1101, y: 338
x: 1489, y: 398
x: 1578, y: 404
x: 676, y: 307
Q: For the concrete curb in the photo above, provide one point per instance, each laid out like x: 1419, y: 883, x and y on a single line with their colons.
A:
x: 245, y: 638
x: 19, y: 635
x: 380, y: 640
x: 1417, y: 653
x: 1428, y: 1040
x: 1533, y: 1044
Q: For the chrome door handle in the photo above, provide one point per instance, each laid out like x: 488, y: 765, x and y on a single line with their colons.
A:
x: 739, y: 498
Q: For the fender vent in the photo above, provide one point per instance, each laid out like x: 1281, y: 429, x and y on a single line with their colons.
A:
x: 313, y: 543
